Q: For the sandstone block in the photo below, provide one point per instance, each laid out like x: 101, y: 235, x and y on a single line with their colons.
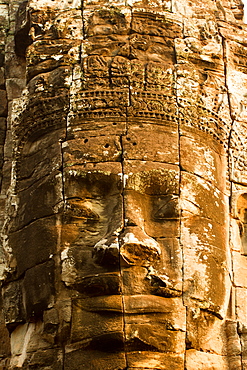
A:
x: 45, y: 194
x: 87, y: 149
x: 239, y: 270
x: 241, y: 305
x: 101, y: 329
x: 154, y: 360
x: 137, y: 143
x: 3, y: 104
x: 205, y: 197
x: 205, y: 332
x: 40, y: 158
x: 13, y: 304
x: 205, y: 361
x: 2, y: 78
x: 15, y: 66
x: 38, y: 289
x: 79, y: 359
x: 4, y: 340
x: 33, y: 237
x: 14, y: 87
x: 208, y: 162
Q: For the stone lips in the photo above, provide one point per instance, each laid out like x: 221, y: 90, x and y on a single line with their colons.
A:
x: 109, y: 310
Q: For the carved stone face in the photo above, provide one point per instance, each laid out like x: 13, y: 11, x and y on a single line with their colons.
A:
x: 137, y: 244
x: 121, y: 220
x: 142, y: 240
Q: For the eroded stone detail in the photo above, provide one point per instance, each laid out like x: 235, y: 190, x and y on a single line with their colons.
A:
x: 124, y: 185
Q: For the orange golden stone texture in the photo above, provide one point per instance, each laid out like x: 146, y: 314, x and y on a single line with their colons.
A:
x: 123, y: 185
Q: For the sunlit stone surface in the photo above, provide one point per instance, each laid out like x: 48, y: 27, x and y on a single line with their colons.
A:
x: 123, y: 206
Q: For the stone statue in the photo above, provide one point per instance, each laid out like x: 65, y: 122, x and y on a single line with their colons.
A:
x: 124, y: 185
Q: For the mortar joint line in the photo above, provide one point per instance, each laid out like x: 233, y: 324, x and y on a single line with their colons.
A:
x: 120, y: 269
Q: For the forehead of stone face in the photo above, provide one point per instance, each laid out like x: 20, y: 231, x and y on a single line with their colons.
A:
x: 150, y: 142
x: 92, y: 147
x: 151, y: 178
x: 99, y: 180
x: 108, y: 142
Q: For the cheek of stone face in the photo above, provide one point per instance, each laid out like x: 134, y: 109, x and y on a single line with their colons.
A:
x: 93, y: 214
x: 82, y: 220
x: 205, y: 243
x: 79, y: 237
x: 87, y: 221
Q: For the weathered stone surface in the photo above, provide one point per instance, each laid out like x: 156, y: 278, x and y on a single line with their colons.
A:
x: 123, y: 185
x: 32, y: 237
x: 26, y: 337
x: 241, y: 306
x: 5, y: 340
x: 204, y: 333
x: 38, y: 289
x: 239, y: 267
x: 152, y: 360
x: 209, y: 162
x: 101, y: 323
x: 29, y: 349
x: 78, y: 359
x: 233, y: 345
x: 3, y: 105
x: 40, y: 158
x: 205, y: 361
x: 152, y: 143
x: 45, y: 193
x: 13, y: 304
x: 14, y: 87
x: 45, y: 359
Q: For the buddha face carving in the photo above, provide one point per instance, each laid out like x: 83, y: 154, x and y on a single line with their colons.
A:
x: 142, y: 238
x: 119, y: 216
x: 121, y: 221
x: 138, y: 242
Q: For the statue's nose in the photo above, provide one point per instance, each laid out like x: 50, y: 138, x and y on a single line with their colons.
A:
x: 132, y: 246
x: 137, y: 248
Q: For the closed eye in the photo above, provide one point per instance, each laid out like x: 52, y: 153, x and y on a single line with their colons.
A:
x: 84, y: 213
x: 165, y: 208
x: 77, y: 209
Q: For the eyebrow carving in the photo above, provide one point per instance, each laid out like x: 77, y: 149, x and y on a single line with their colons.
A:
x: 77, y: 210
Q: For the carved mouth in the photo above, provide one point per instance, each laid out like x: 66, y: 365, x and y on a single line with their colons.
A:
x: 130, y: 323
x: 116, y: 342
x: 132, y: 304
